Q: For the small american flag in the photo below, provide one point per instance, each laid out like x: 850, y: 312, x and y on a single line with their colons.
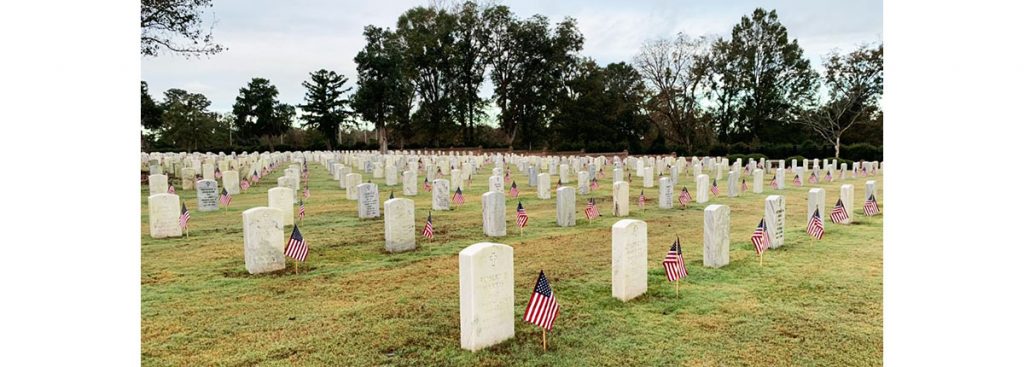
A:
x: 521, y: 217
x: 813, y: 179
x: 297, y: 248
x: 225, y: 198
x: 170, y: 189
x: 684, y: 197
x: 714, y: 187
x: 591, y: 211
x: 796, y: 180
x: 600, y: 173
x: 642, y: 199
x: 828, y: 176
x: 760, y: 237
x: 673, y: 262
x: 838, y: 214
x: 426, y: 184
x: 629, y: 177
x: 815, y: 227
x: 302, y: 210
x: 245, y: 184
x: 184, y: 217
x: 428, y: 229
x: 514, y: 190
x: 216, y: 172
x: 508, y: 177
x: 775, y: 182
x: 593, y: 184
x: 744, y: 186
x: 305, y: 192
x: 542, y: 309
x: 392, y: 196
x: 458, y: 198
x: 871, y: 206
x: 559, y: 182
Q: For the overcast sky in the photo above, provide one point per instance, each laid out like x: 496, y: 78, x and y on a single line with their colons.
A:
x: 285, y: 40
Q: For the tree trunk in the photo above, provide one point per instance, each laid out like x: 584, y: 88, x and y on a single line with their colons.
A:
x: 382, y: 138
x: 837, y: 148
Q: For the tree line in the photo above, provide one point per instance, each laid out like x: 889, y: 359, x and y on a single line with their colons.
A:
x: 419, y: 85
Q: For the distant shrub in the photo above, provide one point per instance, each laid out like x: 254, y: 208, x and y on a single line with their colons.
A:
x: 861, y: 151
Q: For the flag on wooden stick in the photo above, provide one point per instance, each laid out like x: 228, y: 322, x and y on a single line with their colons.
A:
x: 839, y: 214
x: 673, y: 262
x: 684, y: 197
x: 458, y: 198
x: 521, y: 217
x: 428, y: 229
x: 714, y: 187
x: 514, y: 190
x: 184, y: 217
x: 426, y: 184
x: 871, y: 206
x: 297, y: 248
x: 760, y: 237
x: 815, y: 227
x: 225, y: 198
x: 302, y: 210
x: 170, y: 189
x: 591, y: 210
x: 542, y: 309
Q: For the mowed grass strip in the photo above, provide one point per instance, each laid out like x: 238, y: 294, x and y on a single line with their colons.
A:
x: 813, y: 303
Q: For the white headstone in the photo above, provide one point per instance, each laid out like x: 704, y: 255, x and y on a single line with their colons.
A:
x: 496, y: 184
x: 207, y: 195
x: 283, y: 199
x: 629, y: 259
x: 816, y: 200
x: 734, y: 187
x: 620, y: 198
x: 846, y: 195
x: 775, y: 219
x: 399, y: 225
x: 164, y: 211
x: 758, y: 181
x: 486, y: 295
x: 716, y: 236
x: 157, y: 184
x: 494, y: 214
x: 869, y: 189
x: 439, y: 195
x: 263, y: 236
x: 390, y: 175
x: 565, y: 206
x: 230, y: 179
x: 648, y: 177
x: 369, y: 200
x: 351, y: 181
x: 583, y: 182
x: 702, y: 189
x: 410, y: 183
x: 544, y: 186
x: 665, y: 193
x: 188, y: 178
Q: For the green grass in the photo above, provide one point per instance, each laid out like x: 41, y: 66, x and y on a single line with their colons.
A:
x: 813, y: 303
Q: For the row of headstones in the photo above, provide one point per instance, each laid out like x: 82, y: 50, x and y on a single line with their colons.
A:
x: 486, y: 284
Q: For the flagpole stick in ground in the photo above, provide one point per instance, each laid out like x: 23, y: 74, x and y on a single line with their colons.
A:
x: 544, y: 338
x: 760, y: 259
x: 677, y: 288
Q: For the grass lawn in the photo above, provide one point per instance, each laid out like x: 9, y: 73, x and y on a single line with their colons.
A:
x: 813, y: 303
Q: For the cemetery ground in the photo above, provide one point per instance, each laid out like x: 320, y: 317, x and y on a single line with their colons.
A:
x: 812, y: 303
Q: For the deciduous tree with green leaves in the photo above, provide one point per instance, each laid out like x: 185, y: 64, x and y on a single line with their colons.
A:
x: 760, y: 78
x: 854, y: 85
x: 385, y: 92
x: 258, y: 113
